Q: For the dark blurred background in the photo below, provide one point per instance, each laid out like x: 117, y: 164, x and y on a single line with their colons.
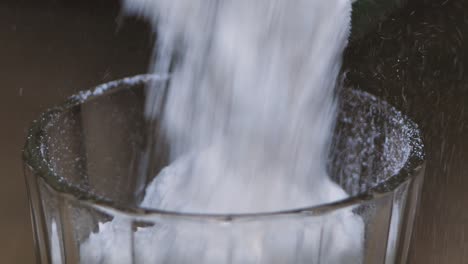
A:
x: 412, y: 55
x: 48, y: 51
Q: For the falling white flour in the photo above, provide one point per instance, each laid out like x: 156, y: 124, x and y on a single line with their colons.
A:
x: 249, y: 114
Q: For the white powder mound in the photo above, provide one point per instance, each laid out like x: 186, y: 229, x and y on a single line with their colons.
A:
x: 205, y: 183
x: 333, y: 239
x: 249, y: 114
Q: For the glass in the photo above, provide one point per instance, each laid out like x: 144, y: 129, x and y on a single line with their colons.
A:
x: 81, y: 159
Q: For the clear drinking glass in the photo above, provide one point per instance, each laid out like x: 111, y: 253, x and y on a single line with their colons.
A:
x: 81, y: 161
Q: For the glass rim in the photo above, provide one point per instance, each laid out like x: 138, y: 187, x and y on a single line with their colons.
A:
x: 34, y: 159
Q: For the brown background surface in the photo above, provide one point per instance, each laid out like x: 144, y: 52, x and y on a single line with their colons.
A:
x: 49, y: 50
x: 416, y: 60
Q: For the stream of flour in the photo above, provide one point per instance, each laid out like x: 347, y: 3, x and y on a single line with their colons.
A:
x: 249, y: 115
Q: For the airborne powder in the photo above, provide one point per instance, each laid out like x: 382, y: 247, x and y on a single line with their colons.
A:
x: 249, y: 114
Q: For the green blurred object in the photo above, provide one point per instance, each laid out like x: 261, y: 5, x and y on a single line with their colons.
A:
x: 368, y: 14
